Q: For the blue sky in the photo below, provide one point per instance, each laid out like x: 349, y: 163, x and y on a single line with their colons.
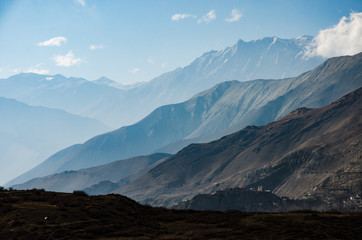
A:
x: 134, y: 40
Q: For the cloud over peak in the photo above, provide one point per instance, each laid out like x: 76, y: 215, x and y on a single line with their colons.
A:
x: 66, y: 60
x: 135, y: 70
x: 95, y: 47
x: 235, y: 16
x: 150, y: 60
x: 208, y: 17
x: 180, y: 16
x: 56, y: 41
x: 345, y: 38
x: 81, y: 2
x: 36, y: 70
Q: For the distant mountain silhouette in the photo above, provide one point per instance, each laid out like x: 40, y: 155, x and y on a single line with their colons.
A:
x: 30, y: 134
x: 69, y: 181
x: 74, y: 95
x: 108, y: 82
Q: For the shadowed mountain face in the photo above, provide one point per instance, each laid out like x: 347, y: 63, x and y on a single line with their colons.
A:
x: 310, y: 152
x: 221, y: 110
x: 30, y: 134
x: 118, y: 105
x: 250, y: 201
x: 76, y: 180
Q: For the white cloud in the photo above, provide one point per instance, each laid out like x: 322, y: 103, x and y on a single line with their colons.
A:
x: 345, y: 38
x: 36, y: 70
x: 163, y: 65
x: 235, y: 16
x: 81, y: 2
x: 208, y: 17
x: 180, y: 16
x: 56, y: 41
x: 66, y: 60
x: 135, y: 70
x: 150, y: 60
x: 8, y: 71
x: 95, y: 47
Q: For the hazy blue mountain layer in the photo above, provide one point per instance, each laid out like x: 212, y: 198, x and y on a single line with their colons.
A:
x: 69, y: 181
x: 221, y: 110
x: 74, y: 95
x: 268, y: 58
x: 118, y: 105
x: 30, y: 134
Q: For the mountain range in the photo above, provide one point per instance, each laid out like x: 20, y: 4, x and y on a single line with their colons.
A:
x: 30, y: 134
x: 118, y: 105
x: 221, y: 110
x: 308, y: 153
x: 74, y: 95
x: 267, y: 58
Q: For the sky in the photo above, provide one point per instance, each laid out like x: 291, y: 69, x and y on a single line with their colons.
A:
x: 131, y: 41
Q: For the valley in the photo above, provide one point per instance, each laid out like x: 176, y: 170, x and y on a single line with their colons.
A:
x: 180, y: 119
x: 209, y: 115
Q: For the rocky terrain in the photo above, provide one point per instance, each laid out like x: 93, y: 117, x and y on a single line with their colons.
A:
x: 308, y: 153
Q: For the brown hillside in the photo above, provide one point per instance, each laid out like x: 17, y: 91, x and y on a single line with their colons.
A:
x: 310, y: 152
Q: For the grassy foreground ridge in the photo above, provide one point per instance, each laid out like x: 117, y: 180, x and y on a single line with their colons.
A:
x: 37, y: 214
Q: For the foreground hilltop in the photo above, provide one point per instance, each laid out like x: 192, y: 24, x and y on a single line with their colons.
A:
x: 38, y: 214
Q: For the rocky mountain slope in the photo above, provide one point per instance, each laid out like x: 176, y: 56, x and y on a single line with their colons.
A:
x: 309, y: 152
x: 221, y: 110
x: 30, y: 134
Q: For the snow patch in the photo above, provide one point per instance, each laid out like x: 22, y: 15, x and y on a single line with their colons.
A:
x: 246, y: 65
x: 274, y: 40
x: 302, y: 38
x: 219, y: 52
x: 300, y: 53
x: 276, y: 59
x: 260, y: 60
